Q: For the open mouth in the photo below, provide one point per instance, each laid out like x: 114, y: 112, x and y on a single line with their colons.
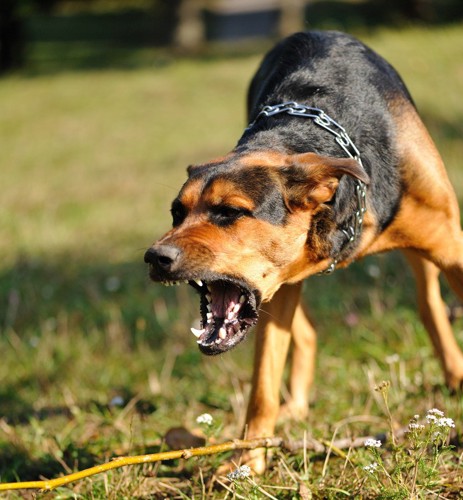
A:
x: 228, y: 309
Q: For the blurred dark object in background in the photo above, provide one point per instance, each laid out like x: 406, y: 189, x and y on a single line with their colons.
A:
x: 11, y: 36
x: 102, y: 27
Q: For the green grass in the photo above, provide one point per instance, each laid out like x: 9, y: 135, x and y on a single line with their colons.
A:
x: 90, y: 161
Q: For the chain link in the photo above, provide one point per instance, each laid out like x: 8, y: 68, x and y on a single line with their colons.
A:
x: 352, y: 231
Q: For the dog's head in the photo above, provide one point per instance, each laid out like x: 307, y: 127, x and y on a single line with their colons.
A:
x: 242, y: 226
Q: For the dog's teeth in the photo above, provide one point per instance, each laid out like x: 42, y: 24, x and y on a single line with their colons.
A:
x: 209, y: 315
x: 208, y: 296
x: 222, y: 333
x: 209, y: 288
x: 236, y: 308
x: 196, y: 332
x: 218, y: 341
x: 230, y: 315
x: 199, y: 282
x: 209, y: 307
x: 242, y: 299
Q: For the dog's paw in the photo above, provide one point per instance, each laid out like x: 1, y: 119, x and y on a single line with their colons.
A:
x: 255, y: 459
x: 292, y: 410
x: 454, y: 381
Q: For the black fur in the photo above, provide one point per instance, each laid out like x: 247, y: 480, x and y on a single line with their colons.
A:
x: 354, y: 86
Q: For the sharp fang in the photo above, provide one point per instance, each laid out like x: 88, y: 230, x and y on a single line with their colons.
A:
x: 196, y: 332
x: 209, y: 315
x: 199, y: 282
x: 209, y: 307
x: 208, y: 297
x: 236, y: 308
x: 242, y: 299
x: 222, y: 333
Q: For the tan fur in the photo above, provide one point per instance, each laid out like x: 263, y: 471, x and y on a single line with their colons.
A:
x: 275, y: 258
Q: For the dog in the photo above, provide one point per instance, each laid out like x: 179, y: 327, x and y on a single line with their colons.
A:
x: 335, y: 165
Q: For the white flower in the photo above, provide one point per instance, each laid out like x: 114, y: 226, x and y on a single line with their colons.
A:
x: 205, y: 419
x: 435, y: 411
x: 372, y: 443
x: 414, y: 425
x: 431, y: 419
x: 393, y: 358
x: 371, y: 468
x: 445, y: 422
x: 240, y: 473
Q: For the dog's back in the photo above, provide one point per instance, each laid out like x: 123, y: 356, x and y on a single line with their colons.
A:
x: 337, y: 73
x: 326, y: 69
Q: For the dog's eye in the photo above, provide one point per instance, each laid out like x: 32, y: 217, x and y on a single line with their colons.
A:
x: 178, y: 212
x: 224, y: 215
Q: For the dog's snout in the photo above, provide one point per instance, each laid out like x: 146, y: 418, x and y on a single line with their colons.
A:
x: 163, y: 257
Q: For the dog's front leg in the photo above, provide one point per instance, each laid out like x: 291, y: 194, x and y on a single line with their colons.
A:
x: 273, y: 335
x: 304, y: 339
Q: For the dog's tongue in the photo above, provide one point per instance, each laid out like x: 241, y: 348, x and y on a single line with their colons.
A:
x: 224, y: 299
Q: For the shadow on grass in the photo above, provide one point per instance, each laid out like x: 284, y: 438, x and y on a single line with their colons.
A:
x: 16, y: 463
x: 39, y: 296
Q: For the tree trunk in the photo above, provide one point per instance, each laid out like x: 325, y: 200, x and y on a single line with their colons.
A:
x: 292, y: 16
x: 189, y: 34
x: 11, y: 36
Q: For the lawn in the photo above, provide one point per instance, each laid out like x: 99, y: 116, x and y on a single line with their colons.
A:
x: 99, y: 362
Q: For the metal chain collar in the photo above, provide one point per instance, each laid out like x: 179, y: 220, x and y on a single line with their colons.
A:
x: 352, y: 231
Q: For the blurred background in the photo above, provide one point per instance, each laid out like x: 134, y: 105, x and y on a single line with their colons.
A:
x: 61, y: 34
x: 103, y: 105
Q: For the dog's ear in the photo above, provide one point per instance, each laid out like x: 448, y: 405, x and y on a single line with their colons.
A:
x: 191, y: 170
x: 310, y: 179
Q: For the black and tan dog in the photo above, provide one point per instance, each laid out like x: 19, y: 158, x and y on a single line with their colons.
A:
x: 335, y: 165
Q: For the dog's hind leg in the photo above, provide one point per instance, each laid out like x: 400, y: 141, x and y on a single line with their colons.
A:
x: 272, y: 337
x: 434, y: 316
x: 452, y: 266
x: 304, y: 346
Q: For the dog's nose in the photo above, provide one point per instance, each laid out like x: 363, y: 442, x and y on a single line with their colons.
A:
x: 163, y: 257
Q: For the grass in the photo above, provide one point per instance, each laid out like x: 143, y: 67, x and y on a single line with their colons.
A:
x: 97, y: 361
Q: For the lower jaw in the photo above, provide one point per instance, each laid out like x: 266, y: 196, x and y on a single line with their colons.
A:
x: 213, y: 349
